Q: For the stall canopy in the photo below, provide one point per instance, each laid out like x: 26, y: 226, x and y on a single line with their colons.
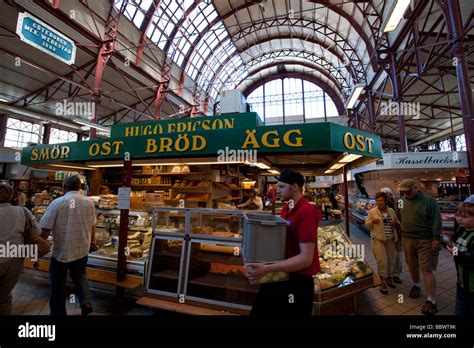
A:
x: 317, y: 145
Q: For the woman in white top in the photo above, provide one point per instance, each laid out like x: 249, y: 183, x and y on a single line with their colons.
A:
x: 384, y: 225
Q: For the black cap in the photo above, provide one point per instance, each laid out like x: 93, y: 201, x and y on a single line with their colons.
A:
x: 291, y: 177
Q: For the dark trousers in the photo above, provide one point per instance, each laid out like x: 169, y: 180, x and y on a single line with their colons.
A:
x: 464, y: 302
x: 288, y: 299
x: 58, y: 277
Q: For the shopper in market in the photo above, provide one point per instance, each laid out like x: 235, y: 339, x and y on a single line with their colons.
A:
x: 464, y: 260
x: 19, y: 198
x: 421, y: 231
x: 254, y: 202
x: 383, y: 224
x: 397, y: 261
x: 21, y: 229
x: 71, y: 218
x: 104, y: 190
x: 271, y: 196
x: 292, y: 298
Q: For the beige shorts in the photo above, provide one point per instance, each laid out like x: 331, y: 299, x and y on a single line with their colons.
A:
x: 419, y: 253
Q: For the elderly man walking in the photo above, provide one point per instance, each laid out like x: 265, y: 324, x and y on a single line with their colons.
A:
x: 421, y: 230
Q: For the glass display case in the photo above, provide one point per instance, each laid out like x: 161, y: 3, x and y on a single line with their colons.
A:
x: 344, y: 271
x: 359, y: 208
x: 197, y: 255
x: 216, y: 224
x: 107, y: 240
x: 215, y: 275
x: 341, y: 261
x: 166, y: 264
x: 171, y: 221
x: 448, y: 214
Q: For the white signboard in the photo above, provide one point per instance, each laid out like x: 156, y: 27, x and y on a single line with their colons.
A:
x: 124, y: 197
x: 417, y: 160
x: 423, y: 160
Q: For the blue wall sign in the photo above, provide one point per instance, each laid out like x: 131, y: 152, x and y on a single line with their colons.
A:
x: 40, y: 35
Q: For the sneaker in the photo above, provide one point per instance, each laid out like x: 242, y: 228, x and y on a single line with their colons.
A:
x: 390, y: 282
x: 383, y: 288
x: 86, y: 308
x: 415, y: 292
x: 397, y: 280
x: 429, y: 308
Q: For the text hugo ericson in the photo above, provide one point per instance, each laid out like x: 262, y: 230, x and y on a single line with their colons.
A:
x: 183, y: 143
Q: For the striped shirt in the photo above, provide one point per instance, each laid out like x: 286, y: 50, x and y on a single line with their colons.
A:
x: 71, y: 218
x: 387, y: 225
x: 464, y: 260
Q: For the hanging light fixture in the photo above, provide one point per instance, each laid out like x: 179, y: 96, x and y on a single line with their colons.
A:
x: 395, y: 14
x: 356, y: 91
x: 91, y: 125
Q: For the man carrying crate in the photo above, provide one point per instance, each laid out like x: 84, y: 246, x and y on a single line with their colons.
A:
x: 294, y: 297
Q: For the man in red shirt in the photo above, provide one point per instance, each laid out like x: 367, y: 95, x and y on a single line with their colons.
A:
x: 292, y: 298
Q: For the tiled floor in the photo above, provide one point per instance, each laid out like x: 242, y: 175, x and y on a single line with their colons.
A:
x: 397, y: 302
x: 30, y: 296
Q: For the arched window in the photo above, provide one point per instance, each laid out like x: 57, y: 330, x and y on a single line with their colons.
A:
x: 170, y: 15
x: 460, y: 142
x: 291, y: 100
x: 19, y: 133
x: 58, y: 136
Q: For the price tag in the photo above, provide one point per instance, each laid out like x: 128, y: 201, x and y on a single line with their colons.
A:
x: 124, y: 197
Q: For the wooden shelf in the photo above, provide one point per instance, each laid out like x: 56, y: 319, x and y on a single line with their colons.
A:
x: 169, y: 173
x: 166, y: 304
x: 235, y: 175
x: 161, y: 173
x: 146, y: 185
x: 186, y: 200
x: 222, y: 281
x: 228, y: 199
x: 152, y: 185
x: 191, y: 189
x: 46, y: 182
x: 171, y: 254
x: 168, y: 274
x: 217, y: 258
x: 93, y: 274
x: 218, y: 217
x: 224, y: 187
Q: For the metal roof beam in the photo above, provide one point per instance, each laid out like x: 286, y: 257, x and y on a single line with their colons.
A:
x: 309, y: 66
x: 324, y: 64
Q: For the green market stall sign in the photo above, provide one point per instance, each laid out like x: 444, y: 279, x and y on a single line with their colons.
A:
x: 249, y: 119
x: 40, y: 35
x: 303, y: 138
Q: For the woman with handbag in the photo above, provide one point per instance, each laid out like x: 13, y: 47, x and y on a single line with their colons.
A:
x: 19, y: 238
x: 383, y: 224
